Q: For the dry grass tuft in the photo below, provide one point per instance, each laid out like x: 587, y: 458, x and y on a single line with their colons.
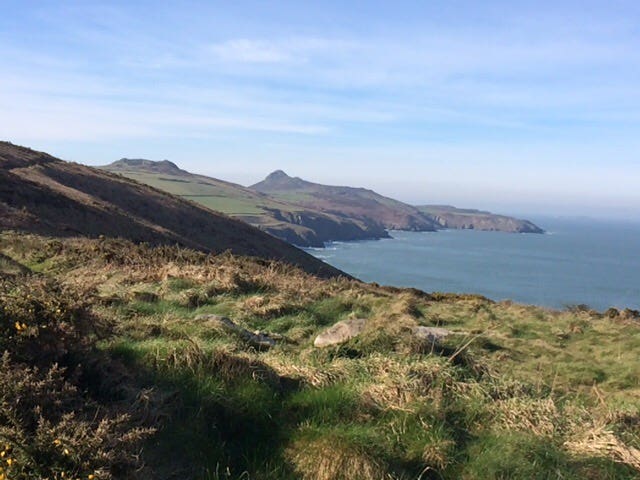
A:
x: 598, y: 441
x: 269, y: 306
x: 539, y: 416
x: 400, y: 383
x: 329, y: 458
x: 339, y: 370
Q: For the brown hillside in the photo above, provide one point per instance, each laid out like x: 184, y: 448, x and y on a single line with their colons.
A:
x: 42, y: 194
x: 296, y: 224
x: 357, y: 203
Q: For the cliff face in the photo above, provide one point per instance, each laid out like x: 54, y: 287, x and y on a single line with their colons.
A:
x: 318, y: 229
x: 469, y: 219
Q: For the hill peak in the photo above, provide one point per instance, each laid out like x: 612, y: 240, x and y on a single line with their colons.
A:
x: 279, y: 180
x: 144, y: 165
x: 277, y: 175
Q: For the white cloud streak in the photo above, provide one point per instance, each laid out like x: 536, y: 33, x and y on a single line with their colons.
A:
x: 389, y: 94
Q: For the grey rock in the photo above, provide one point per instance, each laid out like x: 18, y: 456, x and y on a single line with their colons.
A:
x: 215, y: 319
x: 340, y: 332
x: 431, y: 334
x: 258, y: 340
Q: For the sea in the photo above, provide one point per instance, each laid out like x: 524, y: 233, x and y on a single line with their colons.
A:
x: 579, y: 261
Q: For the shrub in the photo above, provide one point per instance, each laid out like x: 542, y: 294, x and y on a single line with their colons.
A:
x: 42, y: 322
x: 49, y: 429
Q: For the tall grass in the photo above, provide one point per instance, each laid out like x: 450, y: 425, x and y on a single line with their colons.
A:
x: 516, y: 392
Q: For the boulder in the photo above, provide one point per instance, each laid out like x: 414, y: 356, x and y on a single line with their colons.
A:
x: 257, y: 340
x: 340, y: 332
x: 431, y: 334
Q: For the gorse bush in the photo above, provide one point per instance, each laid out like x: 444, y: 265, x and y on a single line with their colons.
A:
x: 42, y: 322
x: 51, y: 427
x: 50, y: 430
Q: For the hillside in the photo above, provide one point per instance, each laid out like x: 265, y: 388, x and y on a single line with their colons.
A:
x: 301, y: 225
x: 309, y: 214
x: 124, y: 361
x: 359, y: 203
x: 457, y: 218
x: 45, y: 195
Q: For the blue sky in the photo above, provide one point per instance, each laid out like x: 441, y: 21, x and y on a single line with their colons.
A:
x: 507, y: 105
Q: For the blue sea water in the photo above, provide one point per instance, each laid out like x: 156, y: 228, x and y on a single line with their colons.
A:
x: 579, y: 261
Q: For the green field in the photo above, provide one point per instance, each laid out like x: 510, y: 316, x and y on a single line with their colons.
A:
x: 218, y: 195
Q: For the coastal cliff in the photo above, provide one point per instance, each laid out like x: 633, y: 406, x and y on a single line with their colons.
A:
x: 470, y: 219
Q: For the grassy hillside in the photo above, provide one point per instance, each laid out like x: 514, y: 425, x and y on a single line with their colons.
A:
x: 309, y: 214
x: 42, y: 194
x: 301, y: 225
x: 514, y: 392
x: 360, y: 203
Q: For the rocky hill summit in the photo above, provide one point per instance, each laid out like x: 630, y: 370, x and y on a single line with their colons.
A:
x: 144, y: 165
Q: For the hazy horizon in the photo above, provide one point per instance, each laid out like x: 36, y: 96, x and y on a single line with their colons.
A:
x: 515, y: 107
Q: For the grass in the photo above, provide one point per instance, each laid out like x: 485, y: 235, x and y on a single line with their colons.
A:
x: 228, y: 205
x: 217, y: 195
x: 516, y: 392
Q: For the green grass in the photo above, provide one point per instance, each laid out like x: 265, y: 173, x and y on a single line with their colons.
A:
x: 228, y: 205
x: 213, y: 194
x: 512, y: 394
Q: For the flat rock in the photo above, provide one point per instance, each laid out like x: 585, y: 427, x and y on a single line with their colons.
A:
x: 431, y: 334
x: 340, y: 332
x: 258, y: 340
x: 215, y: 319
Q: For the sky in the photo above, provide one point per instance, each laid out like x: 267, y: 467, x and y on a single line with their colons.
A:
x: 513, y: 106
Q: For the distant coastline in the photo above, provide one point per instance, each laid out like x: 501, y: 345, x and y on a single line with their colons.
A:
x: 308, y: 214
x: 577, y: 262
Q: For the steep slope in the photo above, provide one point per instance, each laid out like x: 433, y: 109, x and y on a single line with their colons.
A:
x: 296, y: 224
x: 42, y: 194
x: 459, y: 218
x: 359, y: 203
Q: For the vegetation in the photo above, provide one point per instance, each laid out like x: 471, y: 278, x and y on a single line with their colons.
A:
x: 110, y: 364
x: 287, y: 220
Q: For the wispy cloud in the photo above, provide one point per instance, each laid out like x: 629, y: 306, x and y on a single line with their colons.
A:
x: 330, y: 80
x: 251, y: 51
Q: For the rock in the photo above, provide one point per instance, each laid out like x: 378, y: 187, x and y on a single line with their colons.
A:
x: 258, y: 340
x: 212, y: 317
x: 340, y: 332
x: 431, y: 334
